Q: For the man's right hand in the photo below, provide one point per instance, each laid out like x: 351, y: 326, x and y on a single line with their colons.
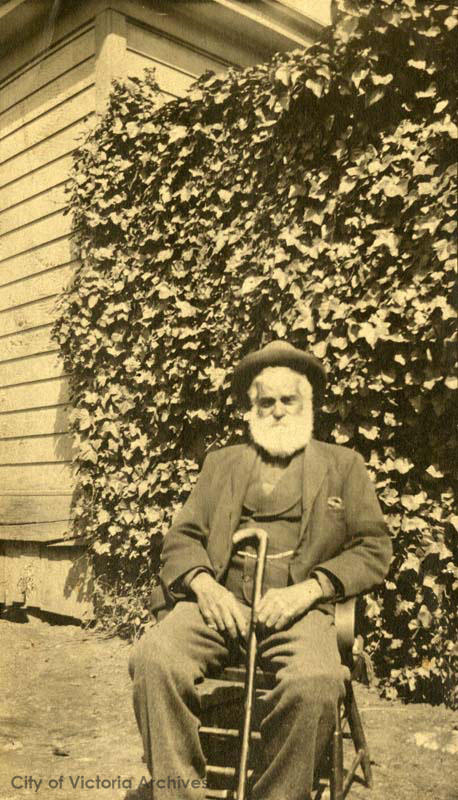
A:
x: 218, y: 606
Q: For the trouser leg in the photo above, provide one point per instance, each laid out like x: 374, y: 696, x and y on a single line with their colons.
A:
x: 165, y: 666
x: 300, y: 710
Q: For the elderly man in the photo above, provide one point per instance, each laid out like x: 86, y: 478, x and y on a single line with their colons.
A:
x: 327, y: 541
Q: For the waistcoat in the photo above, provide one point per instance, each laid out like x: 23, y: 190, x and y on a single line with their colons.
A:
x: 279, y: 513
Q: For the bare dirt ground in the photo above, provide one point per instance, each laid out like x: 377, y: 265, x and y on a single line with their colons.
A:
x: 66, y: 711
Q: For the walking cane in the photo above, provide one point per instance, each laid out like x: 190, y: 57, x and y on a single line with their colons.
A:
x: 262, y: 541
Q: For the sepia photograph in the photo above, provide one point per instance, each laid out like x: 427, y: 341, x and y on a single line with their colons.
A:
x: 228, y: 415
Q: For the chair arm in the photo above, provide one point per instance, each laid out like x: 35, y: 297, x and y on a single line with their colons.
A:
x: 345, y: 621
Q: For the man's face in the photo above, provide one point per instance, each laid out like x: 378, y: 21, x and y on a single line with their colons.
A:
x: 281, y: 417
x: 278, y: 397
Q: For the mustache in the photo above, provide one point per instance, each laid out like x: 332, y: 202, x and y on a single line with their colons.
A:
x: 281, y: 437
x: 285, y: 422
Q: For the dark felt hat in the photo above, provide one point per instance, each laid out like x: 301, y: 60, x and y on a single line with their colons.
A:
x: 279, y: 354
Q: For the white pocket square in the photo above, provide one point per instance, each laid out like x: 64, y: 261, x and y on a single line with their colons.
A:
x: 336, y: 503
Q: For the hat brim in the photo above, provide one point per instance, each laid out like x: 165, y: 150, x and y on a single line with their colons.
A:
x: 300, y: 362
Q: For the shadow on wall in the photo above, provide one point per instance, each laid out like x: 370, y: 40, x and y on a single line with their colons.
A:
x: 68, y: 589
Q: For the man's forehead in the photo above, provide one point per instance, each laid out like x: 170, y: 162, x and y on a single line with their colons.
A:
x: 283, y: 382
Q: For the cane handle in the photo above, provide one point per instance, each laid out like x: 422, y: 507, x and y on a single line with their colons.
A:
x: 250, y: 533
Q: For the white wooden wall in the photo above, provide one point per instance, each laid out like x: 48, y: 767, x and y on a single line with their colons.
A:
x: 45, y: 108
x: 51, y: 90
x: 176, y: 66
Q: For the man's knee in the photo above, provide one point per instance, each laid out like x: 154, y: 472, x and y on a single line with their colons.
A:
x: 152, y: 654
x: 322, y: 689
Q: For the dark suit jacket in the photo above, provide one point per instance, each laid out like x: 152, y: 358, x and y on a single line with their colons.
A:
x: 342, y: 528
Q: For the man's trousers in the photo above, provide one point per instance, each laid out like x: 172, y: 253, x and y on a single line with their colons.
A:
x: 300, y: 710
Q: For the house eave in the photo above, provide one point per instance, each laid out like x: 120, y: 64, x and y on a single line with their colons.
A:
x: 268, y: 24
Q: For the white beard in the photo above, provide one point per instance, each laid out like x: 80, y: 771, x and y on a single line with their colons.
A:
x: 284, y: 438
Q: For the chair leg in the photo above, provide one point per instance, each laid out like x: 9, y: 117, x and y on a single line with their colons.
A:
x: 358, y: 736
x: 336, y: 782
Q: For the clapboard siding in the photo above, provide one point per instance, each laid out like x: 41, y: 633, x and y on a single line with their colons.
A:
x: 52, y: 67
x: 38, y: 421
x: 25, y: 317
x: 34, y: 235
x: 37, y: 478
x: 47, y: 124
x: 27, y: 343
x: 42, y: 205
x: 171, y: 82
x: 53, y: 94
x: 55, y: 146
x: 15, y: 508
x: 35, y: 532
x: 59, y: 251
x: 35, y: 287
x: 36, y: 449
x: 176, y: 66
x: 44, y: 178
x: 31, y: 368
x: 37, y: 394
x: 142, y: 40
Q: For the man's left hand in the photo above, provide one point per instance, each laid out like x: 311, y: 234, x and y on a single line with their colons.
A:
x: 279, y: 607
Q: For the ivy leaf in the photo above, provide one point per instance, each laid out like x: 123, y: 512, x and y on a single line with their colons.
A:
x: 412, y: 502
x: 434, y: 472
x: 402, y: 465
x: 143, y: 488
x: 283, y: 75
x: 177, y: 132
x: 225, y: 196
x: 431, y: 91
x: 101, y: 548
x: 185, y: 308
x: 132, y: 130
x: 439, y: 107
x: 411, y: 563
x: 315, y: 86
x: 373, y: 96
x: 164, y: 292
x: 250, y: 284
x: 425, y: 617
x: 370, y: 432
x: 382, y: 79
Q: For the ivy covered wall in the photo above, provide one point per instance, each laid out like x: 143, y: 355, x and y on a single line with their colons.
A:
x: 311, y: 199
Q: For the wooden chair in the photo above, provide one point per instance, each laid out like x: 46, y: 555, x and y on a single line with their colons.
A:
x: 222, y: 712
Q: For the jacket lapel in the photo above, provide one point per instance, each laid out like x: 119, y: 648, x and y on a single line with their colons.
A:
x: 230, y: 506
x: 315, y: 469
x: 241, y: 472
